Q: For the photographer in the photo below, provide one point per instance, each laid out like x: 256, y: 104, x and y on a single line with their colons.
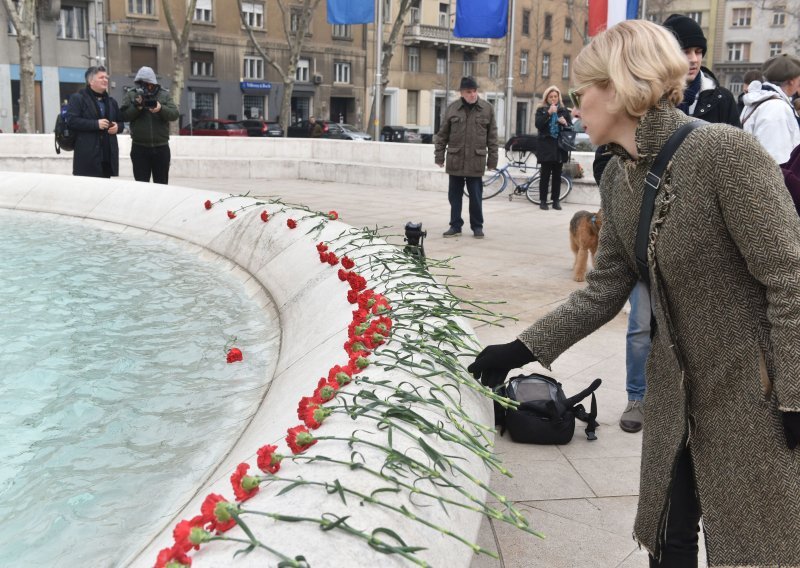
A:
x: 149, y: 110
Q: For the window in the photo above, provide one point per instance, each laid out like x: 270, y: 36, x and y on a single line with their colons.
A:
x: 526, y: 22
x: 741, y: 17
x: 696, y: 16
x: 775, y: 47
x: 548, y: 26
x: 341, y: 31
x: 441, y: 62
x: 414, y: 12
x: 253, y: 67
x: 203, y: 105
x: 735, y: 87
x: 302, y: 72
x: 738, y: 52
x: 444, y: 15
x: 341, y: 72
x: 545, y: 65
x: 253, y: 14
x: 779, y: 16
x: 72, y: 22
x: 142, y: 7
x: 413, y: 59
x: 469, y: 64
x: 565, y: 67
x: 523, y: 63
x: 494, y: 66
x: 202, y: 63
x: 568, y: 30
x: 144, y: 56
x: 202, y: 11
x: 412, y: 104
x: 253, y: 106
x: 387, y: 11
x: 294, y: 20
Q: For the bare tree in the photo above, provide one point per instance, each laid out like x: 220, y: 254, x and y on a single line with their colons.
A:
x: 23, y: 16
x: 388, y: 49
x: 658, y: 10
x: 181, y: 41
x: 295, y: 39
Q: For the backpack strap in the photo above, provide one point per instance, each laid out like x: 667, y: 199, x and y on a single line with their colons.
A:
x: 589, y: 417
x: 758, y: 104
x: 652, y: 182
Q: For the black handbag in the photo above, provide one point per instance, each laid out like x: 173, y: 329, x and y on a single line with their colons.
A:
x: 566, y: 139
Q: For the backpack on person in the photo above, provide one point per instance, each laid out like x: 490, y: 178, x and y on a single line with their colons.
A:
x: 65, y: 138
x: 545, y: 415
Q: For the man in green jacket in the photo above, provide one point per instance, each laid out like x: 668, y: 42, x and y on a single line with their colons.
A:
x: 469, y: 134
x: 149, y: 109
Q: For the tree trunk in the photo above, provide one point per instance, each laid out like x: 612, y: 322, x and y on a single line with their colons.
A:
x: 27, y: 85
x: 286, y: 103
x: 178, y: 80
x: 180, y: 39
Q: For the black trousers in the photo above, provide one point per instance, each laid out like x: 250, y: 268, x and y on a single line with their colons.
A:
x: 679, y: 549
x: 550, y: 171
x: 151, y: 161
x: 455, y: 194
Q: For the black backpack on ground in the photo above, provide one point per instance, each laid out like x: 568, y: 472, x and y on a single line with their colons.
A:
x: 65, y: 138
x: 545, y: 415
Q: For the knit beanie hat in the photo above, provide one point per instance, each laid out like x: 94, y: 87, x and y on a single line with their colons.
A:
x: 781, y: 68
x: 468, y: 83
x: 146, y: 75
x: 688, y: 32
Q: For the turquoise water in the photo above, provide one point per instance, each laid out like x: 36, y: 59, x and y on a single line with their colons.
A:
x: 115, y: 397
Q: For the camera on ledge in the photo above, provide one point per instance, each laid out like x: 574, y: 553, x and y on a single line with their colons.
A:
x: 149, y: 97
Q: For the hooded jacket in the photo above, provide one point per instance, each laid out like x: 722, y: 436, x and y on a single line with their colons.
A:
x: 769, y: 116
x: 147, y: 128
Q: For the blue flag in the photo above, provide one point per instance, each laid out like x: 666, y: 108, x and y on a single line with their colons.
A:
x: 481, y: 18
x: 351, y: 11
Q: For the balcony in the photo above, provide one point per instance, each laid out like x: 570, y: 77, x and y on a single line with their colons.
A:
x: 437, y: 37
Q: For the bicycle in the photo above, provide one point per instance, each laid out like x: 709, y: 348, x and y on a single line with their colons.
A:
x: 496, y: 182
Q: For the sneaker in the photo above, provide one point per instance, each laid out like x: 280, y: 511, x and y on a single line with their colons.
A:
x: 451, y: 232
x: 543, y: 206
x: 633, y: 417
x: 477, y: 233
x: 556, y: 206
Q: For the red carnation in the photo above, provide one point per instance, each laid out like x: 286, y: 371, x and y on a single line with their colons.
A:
x: 324, y: 392
x: 343, y: 274
x: 264, y: 216
x: 356, y: 344
x: 352, y: 296
x: 333, y: 260
x: 333, y: 215
x: 304, y: 403
x: 244, y: 486
x: 356, y: 281
x: 323, y: 257
x: 366, y: 299
x: 231, y: 215
x: 174, y: 556
x: 322, y: 247
x: 358, y: 362
x: 360, y: 316
x: 299, y: 439
x: 347, y: 262
x: 216, y: 518
x: 268, y: 460
x: 183, y: 530
x: 207, y: 204
x: 314, y: 416
x: 341, y: 375
x: 234, y: 355
x: 291, y: 223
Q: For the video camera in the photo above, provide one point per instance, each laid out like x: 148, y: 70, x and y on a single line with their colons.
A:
x: 148, y: 93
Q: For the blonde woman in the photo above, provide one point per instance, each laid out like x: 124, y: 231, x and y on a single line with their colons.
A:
x: 551, y: 117
x: 722, y: 409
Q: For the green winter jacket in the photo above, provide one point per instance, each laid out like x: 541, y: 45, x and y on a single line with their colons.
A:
x: 147, y: 128
x: 469, y: 137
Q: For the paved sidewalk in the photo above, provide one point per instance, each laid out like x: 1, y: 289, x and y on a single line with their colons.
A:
x: 583, y: 495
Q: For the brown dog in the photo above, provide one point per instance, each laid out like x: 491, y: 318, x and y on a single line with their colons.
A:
x: 584, y: 229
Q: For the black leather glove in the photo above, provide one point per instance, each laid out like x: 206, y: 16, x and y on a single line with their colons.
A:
x: 791, y: 427
x: 493, y: 363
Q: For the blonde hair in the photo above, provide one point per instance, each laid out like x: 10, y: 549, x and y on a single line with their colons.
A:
x: 547, y: 92
x: 641, y: 60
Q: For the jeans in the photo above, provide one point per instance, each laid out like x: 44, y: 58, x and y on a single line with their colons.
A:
x: 151, y: 161
x: 455, y: 195
x: 550, y: 174
x: 679, y: 549
x: 637, y: 341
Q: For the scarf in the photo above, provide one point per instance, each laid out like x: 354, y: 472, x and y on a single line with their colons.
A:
x: 690, y: 94
x: 554, y: 129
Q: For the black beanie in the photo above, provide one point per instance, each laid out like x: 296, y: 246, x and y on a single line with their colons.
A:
x: 688, y: 32
x: 468, y: 83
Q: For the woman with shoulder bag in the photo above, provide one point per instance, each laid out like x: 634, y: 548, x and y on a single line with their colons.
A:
x: 551, y: 117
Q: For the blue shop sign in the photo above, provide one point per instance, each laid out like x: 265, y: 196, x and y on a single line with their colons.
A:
x: 256, y: 86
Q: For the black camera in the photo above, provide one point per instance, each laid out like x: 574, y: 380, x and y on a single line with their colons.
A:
x: 415, y: 236
x: 149, y: 97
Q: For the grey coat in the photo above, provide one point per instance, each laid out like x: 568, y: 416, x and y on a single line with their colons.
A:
x: 470, y: 138
x: 725, y: 358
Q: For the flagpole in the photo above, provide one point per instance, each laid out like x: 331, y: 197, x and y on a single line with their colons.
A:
x: 447, y: 65
x: 510, y: 80
x: 378, y: 60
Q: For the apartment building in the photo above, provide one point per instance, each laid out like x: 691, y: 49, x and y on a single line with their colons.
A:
x: 707, y: 13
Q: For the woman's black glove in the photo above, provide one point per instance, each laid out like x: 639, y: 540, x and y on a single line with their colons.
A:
x: 791, y: 427
x: 493, y: 363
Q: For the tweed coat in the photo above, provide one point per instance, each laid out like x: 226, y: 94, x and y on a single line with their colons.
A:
x: 725, y: 359
x: 470, y: 138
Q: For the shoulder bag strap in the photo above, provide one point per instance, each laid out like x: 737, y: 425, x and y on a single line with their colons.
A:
x: 651, y: 184
x: 758, y: 104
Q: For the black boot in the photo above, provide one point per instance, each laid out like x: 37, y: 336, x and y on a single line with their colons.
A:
x: 556, y: 206
x: 543, y: 205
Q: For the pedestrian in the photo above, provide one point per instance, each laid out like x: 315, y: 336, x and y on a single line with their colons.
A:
x: 722, y: 419
x: 95, y: 118
x: 768, y: 113
x: 469, y: 136
x: 314, y: 127
x: 148, y: 108
x: 749, y: 77
x: 703, y: 98
x: 551, y: 118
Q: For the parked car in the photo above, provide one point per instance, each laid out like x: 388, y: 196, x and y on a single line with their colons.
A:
x: 303, y: 130
x: 214, y: 127
x: 582, y: 141
x: 400, y: 134
x: 342, y: 131
x: 262, y: 128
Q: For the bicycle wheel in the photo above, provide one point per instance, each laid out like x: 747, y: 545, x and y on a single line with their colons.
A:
x: 532, y: 193
x: 493, y: 183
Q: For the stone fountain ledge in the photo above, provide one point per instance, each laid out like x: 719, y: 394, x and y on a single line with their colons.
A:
x: 280, y: 268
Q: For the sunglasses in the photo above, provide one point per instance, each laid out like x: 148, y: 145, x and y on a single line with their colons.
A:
x: 575, y: 97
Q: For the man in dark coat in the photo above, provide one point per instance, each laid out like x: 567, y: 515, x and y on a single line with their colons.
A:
x: 469, y: 134
x: 95, y: 117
